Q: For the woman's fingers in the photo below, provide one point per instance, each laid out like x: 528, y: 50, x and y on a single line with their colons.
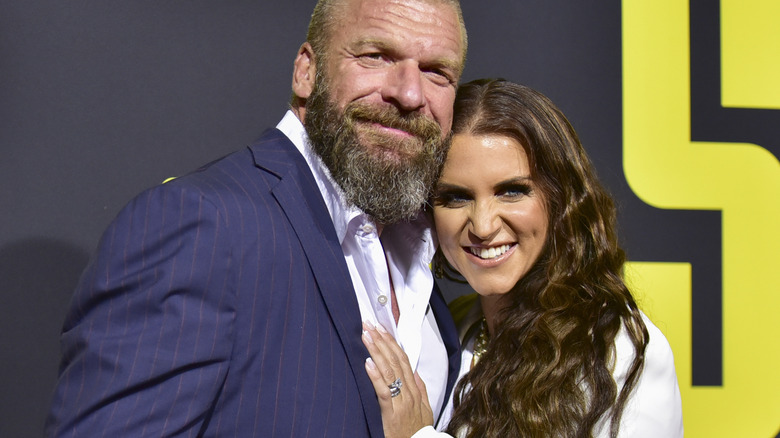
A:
x: 390, y: 358
x: 388, y: 364
x: 376, y: 369
x: 405, y: 408
x: 423, y: 390
x: 378, y: 381
x: 395, y: 362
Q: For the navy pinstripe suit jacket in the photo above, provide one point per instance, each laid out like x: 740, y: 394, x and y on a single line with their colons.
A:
x: 220, y: 305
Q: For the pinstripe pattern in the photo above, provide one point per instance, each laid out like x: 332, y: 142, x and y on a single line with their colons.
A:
x: 218, y: 305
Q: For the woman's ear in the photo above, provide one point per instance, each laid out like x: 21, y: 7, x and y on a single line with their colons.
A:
x: 304, y: 71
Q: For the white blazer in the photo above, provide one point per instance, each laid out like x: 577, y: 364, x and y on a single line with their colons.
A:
x: 654, y: 408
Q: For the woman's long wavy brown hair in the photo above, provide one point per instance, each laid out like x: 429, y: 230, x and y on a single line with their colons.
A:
x: 546, y: 372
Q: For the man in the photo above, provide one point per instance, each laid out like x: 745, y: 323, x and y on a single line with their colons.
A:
x: 229, y: 302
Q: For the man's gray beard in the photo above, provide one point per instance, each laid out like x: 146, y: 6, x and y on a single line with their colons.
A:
x: 389, y: 190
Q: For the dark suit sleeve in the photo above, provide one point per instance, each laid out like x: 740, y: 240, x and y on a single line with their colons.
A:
x: 148, y: 337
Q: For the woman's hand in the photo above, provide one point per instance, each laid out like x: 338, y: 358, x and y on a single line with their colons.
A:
x: 408, y: 411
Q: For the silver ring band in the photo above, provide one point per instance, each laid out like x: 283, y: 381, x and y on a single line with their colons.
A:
x: 395, y: 387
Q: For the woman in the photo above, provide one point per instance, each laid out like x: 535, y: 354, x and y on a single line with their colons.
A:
x: 555, y: 345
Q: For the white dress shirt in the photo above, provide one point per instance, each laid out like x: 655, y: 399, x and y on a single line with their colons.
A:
x: 654, y: 408
x: 402, y: 253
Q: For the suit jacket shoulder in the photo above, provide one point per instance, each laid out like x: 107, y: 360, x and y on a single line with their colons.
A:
x: 218, y: 304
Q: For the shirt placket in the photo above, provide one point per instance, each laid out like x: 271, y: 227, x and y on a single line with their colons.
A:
x: 378, y: 286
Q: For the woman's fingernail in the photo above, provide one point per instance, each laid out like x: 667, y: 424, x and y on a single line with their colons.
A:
x: 368, y: 325
x: 380, y: 328
x: 370, y: 363
x: 368, y: 337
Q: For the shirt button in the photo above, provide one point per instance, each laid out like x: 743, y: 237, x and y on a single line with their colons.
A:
x: 382, y: 299
x: 368, y: 228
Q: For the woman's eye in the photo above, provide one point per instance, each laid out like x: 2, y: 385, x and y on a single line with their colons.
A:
x: 450, y: 199
x: 515, y: 191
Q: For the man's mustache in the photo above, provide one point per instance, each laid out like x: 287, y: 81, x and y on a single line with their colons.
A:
x: 389, y: 116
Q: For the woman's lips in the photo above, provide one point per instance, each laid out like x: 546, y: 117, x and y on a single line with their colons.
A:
x: 490, y: 254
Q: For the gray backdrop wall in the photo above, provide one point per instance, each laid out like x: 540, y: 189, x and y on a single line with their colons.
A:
x: 100, y: 100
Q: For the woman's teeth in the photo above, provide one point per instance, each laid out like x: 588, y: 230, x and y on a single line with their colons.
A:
x: 489, y: 253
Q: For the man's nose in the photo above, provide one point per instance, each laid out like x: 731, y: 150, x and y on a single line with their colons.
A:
x: 405, y: 86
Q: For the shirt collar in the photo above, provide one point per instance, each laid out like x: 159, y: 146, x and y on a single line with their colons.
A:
x: 417, y: 235
x: 340, y: 213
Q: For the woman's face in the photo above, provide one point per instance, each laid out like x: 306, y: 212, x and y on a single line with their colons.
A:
x: 490, y: 217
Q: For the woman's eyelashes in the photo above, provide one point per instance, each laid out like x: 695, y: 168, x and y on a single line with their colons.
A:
x: 453, y: 197
x: 514, y: 190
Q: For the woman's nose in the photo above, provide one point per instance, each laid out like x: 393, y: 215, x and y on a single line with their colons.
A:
x: 485, y: 222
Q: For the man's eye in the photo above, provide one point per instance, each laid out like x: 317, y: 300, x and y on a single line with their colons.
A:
x: 439, y: 76
x: 372, y: 56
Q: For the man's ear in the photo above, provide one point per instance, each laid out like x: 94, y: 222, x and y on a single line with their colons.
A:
x: 304, y: 71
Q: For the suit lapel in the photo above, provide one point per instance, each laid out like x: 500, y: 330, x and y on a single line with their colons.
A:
x: 299, y: 197
x: 449, y: 334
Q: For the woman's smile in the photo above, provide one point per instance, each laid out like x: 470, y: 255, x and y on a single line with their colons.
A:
x: 490, y: 218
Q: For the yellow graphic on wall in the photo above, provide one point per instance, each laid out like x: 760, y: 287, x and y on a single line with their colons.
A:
x: 750, y: 53
x: 667, y: 170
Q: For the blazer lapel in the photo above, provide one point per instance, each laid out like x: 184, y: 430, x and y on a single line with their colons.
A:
x: 299, y: 197
x: 449, y: 334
